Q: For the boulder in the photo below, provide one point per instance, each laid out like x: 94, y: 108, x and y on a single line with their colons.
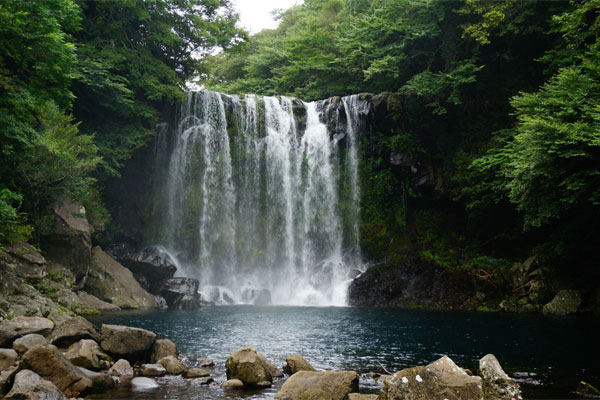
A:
x: 141, y: 383
x: 8, y: 358
x: 358, y: 396
x: 496, y: 384
x: 181, y: 293
x: 122, y: 369
x: 87, y: 354
x: 247, y: 365
x: 319, y: 385
x: 207, y: 380
x: 111, y: 282
x: 565, y: 302
x: 152, y: 267
x: 233, y: 384
x: 295, y: 363
x: 207, y: 363
x: 127, y: 342
x: 20, y: 326
x: 152, y: 370
x: 442, y: 379
x: 7, y: 378
x: 99, y: 380
x: 23, y: 344
x: 47, y: 362
x: 195, y: 373
x: 172, y: 365
x: 163, y: 348
x: 272, y: 368
x: 73, y: 330
x: 30, y: 386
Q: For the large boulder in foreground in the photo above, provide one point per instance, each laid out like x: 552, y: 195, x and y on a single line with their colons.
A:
x: 181, y: 293
x: 295, y: 363
x: 319, y: 385
x: 442, y: 379
x: 8, y: 358
x: 30, y: 386
x: 150, y: 268
x: 248, y: 365
x: 87, y: 354
x: 496, y: 384
x: 565, y: 302
x: 73, y: 330
x: 126, y: 342
x: 51, y: 365
x: 163, y: 348
x: 23, y: 344
x: 111, y: 282
x: 20, y: 326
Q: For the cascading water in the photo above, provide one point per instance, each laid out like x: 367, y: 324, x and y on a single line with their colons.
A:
x: 251, y: 201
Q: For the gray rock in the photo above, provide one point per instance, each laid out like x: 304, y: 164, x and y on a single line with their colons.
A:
x: 73, y: 330
x: 30, y: 386
x: 565, y: 302
x: 496, y: 384
x: 207, y: 363
x: 8, y: 358
x: 23, y: 344
x: 319, y: 385
x: 295, y: 363
x: 142, y: 384
x: 151, y: 265
x: 203, y: 381
x: 195, y: 373
x: 440, y: 379
x: 99, y: 380
x: 122, y: 369
x: 20, y: 326
x: 163, y: 348
x: 92, y: 302
x: 130, y: 343
x: 233, y: 384
x: 152, y: 370
x: 247, y: 365
x: 6, y: 379
x: 358, y: 396
x: 87, y: 354
x: 181, y: 293
x: 172, y: 365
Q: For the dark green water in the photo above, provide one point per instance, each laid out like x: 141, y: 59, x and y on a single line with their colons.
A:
x: 549, y: 355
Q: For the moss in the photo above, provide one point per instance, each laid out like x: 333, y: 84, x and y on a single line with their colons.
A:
x: 49, y: 291
x: 484, y: 308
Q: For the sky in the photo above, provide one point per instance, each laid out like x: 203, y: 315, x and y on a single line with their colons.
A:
x: 255, y: 15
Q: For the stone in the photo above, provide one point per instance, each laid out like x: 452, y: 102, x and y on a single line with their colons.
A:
x: 358, y: 396
x: 8, y: 358
x: 234, y: 384
x: 207, y: 363
x: 7, y: 378
x: 496, y: 384
x: 111, y: 282
x: 163, y: 348
x: 23, y: 344
x: 319, y: 385
x: 442, y: 379
x: 203, y: 381
x: 122, y: 369
x: 247, y: 365
x: 195, y: 373
x: 565, y: 302
x: 172, y: 365
x: 46, y: 361
x: 154, y: 267
x: 20, y: 326
x: 141, y: 383
x: 181, y: 293
x: 127, y: 342
x: 73, y: 330
x: 295, y: 363
x: 87, y: 354
x: 92, y: 302
x: 152, y: 370
x: 272, y: 368
x: 68, y: 241
x: 99, y: 380
x: 30, y: 386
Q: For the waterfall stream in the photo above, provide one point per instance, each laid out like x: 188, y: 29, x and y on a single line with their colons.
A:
x: 259, y: 202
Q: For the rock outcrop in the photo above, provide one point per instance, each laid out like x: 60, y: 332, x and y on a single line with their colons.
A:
x: 150, y: 268
x: 319, y: 385
x: 295, y: 363
x: 565, y: 302
x: 130, y: 343
x: 496, y: 384
x: 181, y: 293
x: 248, y: 365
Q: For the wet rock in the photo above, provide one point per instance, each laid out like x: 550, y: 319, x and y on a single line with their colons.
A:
x: 141, y: 383
x: 122, y: 369
x: 172, y: 365
x: 152, y: 266
x: 565, y: 302
x: 163, y: 348
x: 68, y: 240
x: 111, y: 282
x: 203, y: 381
x: 233, y: 384
x: 152, y: 370
x: 247, y: 365
x: 207, y: 363
x: 441, y: 379
x: 23, y: 344
x: 8, y: 358
x: 496, y: 384
x: 319, y: 385
x: 295, y: 363
x: 20, y: 326
x: 181, y: 293
x: 195, y: 373
x: 30, y: 386
x: 87, y: 354
x: 47, y: 362
x: 161, y: 302
x: 73, y: 330
x: 127, y: 342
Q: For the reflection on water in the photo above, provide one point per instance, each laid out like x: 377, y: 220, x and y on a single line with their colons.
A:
x: 548, y: 355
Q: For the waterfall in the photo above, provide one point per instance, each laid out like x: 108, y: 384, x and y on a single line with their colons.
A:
x: 251, y: 204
